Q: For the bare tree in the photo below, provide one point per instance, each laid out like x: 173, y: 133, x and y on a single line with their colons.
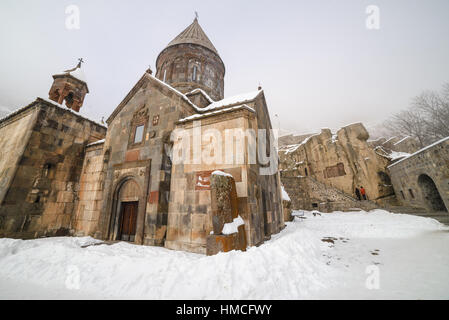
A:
x: 435, y: 107
x: 427, y: 119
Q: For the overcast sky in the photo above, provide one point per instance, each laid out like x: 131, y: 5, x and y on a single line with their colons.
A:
x: 318, y: 63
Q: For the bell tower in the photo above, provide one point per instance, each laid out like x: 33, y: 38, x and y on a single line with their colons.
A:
x: 190, y: 61
x: 70, y: 87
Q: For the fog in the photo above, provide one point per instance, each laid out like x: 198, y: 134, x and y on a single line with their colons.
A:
x: 319, y: 64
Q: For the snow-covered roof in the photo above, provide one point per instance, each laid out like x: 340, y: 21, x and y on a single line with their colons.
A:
x: 234, y: 101
x: 70, y: 110
x: 39, y: 99
x: 193, y: 34
x: 380, y: 151
x: 179, y: 93
x: 208, y: 98
x: 216, y: 112
x: 396, y: 155
x: 79, y: 74
x: 293, y: 147
x: 290, y: 148
x: 402, y: 140
x: 76, y: 73
x: 138, y: 85
x: 421, y: 150
x: 13, y: 113
x: 96, y: 143
x: 230, y: 101
x: 389, y: 139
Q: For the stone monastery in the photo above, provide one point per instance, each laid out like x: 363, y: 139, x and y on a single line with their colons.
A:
x: 63, y: 174
x: 138, y: 179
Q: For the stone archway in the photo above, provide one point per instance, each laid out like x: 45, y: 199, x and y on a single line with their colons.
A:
x: 126, y: 210
x: 430, y: 193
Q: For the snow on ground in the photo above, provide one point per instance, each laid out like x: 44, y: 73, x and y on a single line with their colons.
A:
x: 315, y: 257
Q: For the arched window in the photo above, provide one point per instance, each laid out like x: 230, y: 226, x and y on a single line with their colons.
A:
x: 69, y: 99
x: 138, y: 134
x: 165, y: 75
x: 48, y: 171
x: 194, y: 73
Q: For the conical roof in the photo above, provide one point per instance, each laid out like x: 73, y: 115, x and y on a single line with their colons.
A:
x: 194, y: 34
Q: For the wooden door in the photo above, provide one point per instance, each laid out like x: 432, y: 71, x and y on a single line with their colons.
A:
x: 129, y: 219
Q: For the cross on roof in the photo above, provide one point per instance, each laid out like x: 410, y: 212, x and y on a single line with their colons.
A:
x: 80, y: 62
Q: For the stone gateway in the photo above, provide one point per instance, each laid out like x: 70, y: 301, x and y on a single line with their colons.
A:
x: 421, y: 180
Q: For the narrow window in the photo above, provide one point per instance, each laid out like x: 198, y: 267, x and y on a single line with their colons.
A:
x: 194, y: 73
x: 411, y: 193
x: 165, y: 75
x: 46, y: 170
x: 69, y: 99
x: 305, y: 171
x: 138, y: 136
x: 402, y: 194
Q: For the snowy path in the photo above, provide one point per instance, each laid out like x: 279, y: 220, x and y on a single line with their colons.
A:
x: 410, y: 253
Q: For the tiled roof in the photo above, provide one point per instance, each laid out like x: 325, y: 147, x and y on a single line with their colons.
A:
x: 194, y: 34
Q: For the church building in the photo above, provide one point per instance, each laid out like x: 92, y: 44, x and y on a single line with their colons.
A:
x: 63, y: 174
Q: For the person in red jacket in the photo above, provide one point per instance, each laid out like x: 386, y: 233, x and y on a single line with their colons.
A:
x: 363, y: 192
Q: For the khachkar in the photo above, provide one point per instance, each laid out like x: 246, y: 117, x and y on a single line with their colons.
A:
x: 228, y: 226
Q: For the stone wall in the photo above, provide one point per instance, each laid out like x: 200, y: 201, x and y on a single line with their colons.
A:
x: 343, y: 161
x: 422, y: 180
x: 14, y: 135
x: 268, y: 218
x: 292, y: 139
x: 308, y: 194
x: 155, y: 107
x: 90, y: 195
x: 41, y: 198
x: 190, y: 212
x: 259, y: 196
x: 396, y: 144
x: 177, y: 63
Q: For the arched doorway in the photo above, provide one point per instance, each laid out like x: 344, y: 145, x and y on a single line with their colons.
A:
x: 385, y: 187
x: 430, y: 193
x: 127, y: 207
